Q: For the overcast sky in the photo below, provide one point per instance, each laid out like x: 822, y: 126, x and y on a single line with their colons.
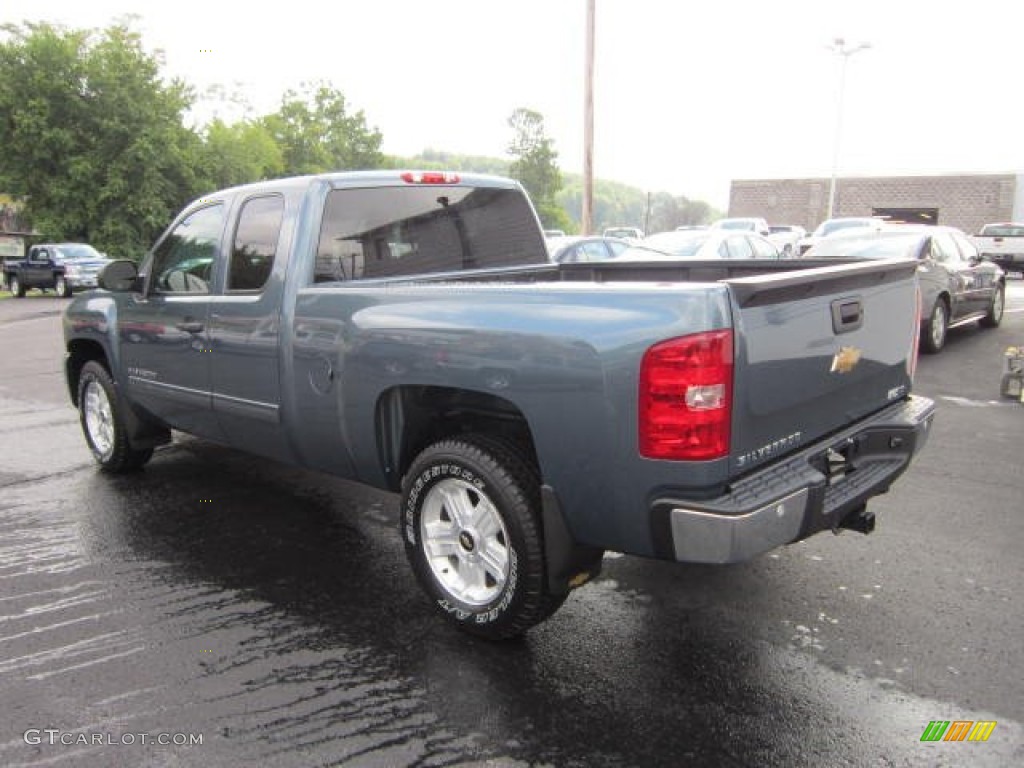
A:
x: 689, y: 95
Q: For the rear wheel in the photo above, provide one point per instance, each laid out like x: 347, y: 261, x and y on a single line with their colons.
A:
x: 102, y: 422
x: 995, y: 310
x: 16, y: 288
x: 936, y: 327
x: 471, y: 524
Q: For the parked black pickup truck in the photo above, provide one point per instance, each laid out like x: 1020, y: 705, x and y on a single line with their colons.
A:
x: 408, y: 331
x: 59, y: 267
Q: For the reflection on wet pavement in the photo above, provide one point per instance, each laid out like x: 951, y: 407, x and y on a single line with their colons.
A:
x: 272, y: 611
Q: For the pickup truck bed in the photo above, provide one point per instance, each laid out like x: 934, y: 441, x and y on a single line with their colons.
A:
x: 532, y: 415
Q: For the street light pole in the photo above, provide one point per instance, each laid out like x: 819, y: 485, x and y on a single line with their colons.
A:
x: 586, y: 222
x: 840, y: 48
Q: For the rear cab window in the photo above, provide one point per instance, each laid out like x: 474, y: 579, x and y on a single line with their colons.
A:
x: 414, y: 230
x: 1002, y: 230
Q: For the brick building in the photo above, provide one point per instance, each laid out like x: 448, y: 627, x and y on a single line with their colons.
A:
x: 964, y: 201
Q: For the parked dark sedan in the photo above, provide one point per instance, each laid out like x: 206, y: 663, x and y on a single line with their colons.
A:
x: 957, y: 285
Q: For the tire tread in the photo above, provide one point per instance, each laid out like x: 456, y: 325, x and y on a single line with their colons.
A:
x: 517, y: 479
x: 125, y: 457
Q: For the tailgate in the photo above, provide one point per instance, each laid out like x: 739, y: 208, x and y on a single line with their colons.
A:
x: 1002, y: 245
x: 816, y: 350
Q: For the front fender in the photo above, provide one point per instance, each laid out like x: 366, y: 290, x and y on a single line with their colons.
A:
x: 90, y: 333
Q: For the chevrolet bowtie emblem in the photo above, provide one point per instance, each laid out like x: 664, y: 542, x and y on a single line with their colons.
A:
x: 845, y: 359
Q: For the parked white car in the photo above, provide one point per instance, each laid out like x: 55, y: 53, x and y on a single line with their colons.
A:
x: 701, y: 244
x: 787, y: 238
x: 625, y: 233
x: 744, y: 223
x: 830, y: 226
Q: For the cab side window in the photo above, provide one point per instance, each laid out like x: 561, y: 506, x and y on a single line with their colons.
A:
x: 943, y: 249
x: 255, y: 243
x: 616, y: 247
x: 763, y: 249
x: 593, y: 251
x: 739, y: 248
x: 183, y: 261
x: 967, y: 248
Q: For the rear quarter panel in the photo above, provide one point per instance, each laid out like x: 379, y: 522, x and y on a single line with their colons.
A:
x: 566, y: 355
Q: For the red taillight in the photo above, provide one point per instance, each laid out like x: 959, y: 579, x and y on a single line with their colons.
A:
x: 430, y: 177
x: 686, y: 397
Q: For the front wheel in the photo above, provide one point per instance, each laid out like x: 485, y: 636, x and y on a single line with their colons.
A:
x: 936, y: 327
x: 471, y: 524
x: 102, y: 422
x: 994, y: 316
x: 61, y: 287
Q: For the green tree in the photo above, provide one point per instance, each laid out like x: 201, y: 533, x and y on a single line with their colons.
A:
x: 534, y: 166
x: 239, y: 153
x: 316, y: 133
x: 93, y: 138
x: 668, y: 212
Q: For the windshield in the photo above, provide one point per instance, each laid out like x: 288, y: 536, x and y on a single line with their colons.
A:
x: 873, y: 246
x: 79, y: 251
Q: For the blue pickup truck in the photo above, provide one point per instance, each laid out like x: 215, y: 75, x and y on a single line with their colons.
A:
x: 59, y: 267
x: 407, y: 330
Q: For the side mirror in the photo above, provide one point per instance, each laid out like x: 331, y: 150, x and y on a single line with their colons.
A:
x: 119, y: 276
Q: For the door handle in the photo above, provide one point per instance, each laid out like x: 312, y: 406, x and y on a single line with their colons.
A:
x: 190, y: 327
x: 847, y: 315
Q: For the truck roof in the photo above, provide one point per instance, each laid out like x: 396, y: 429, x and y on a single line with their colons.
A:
x: 371, y: 178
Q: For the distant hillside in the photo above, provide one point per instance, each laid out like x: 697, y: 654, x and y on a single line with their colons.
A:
x: 615, y: 203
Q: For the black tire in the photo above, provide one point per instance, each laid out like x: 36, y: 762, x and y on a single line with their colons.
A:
x: 61, y: 287
x: 104, y: 428
x: 483, y: 566
x: 933, y: 336
x: 16, y: 288
x: 994, y: 316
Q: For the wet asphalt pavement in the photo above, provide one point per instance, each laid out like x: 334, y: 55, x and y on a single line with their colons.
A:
x: 271, y: 612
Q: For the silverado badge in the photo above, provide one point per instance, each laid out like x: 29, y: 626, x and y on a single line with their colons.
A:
x: 845, y: 359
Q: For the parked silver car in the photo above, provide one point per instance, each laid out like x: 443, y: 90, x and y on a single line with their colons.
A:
x: 576, y: 249
x: 702, y: 244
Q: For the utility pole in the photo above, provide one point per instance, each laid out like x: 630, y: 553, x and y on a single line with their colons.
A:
x: 839, y: 47
x: 586, y: 223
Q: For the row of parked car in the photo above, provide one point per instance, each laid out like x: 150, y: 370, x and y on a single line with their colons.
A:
x: 959, y: 283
